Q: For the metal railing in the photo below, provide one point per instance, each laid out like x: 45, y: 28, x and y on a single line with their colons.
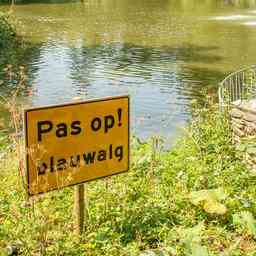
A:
x: 237, y: 87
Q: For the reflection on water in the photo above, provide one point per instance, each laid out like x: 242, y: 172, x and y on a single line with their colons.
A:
x: 233, y: 17
x: 163, y: 53
x: 250, y: 23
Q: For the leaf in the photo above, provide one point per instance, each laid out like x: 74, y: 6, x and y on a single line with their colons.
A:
x: 193, y: 235
x: 196, y: 197
x: 246, y: 221
x: 192, y: 241
x: 209, y: 200
x: 218, y: 194
x: 199, y: 250
x: 214, y: 207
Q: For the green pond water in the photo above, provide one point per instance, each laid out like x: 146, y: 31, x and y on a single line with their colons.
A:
x: 163, y: 53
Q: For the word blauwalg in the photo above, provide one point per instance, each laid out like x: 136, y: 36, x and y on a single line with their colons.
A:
x: 82, y: 159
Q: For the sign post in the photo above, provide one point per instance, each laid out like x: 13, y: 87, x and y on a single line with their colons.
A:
x: 70, y: 144
x: 79, y: 208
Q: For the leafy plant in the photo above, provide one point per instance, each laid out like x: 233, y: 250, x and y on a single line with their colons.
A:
x: 210, y: 200
x: 8, y: 32
x: 192, y: 240
x: 246, y: 221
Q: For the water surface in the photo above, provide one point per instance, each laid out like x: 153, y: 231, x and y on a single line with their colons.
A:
x: 163, y: 53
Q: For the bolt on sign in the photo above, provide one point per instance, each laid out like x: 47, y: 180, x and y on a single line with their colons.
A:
x: 77, y: 142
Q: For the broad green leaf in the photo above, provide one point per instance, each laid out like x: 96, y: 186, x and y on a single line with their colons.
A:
x: 196, y: 197
x: 192, y: 237
x: 198, y: 250
x: 210, y: 200
x: 214, y: 207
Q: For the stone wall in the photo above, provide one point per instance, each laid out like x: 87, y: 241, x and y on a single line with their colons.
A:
x: 243, y: 124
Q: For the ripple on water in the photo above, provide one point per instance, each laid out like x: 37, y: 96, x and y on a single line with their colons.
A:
x: 160, y: 52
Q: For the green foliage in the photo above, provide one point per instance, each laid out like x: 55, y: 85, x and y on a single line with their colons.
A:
x: 209, y: 199
x: 247, y: 145
x: 7, y: 31
x: 192, y: 241
x: 154, y: 209
x: 13, y: 49
x: 249, y: 83
x: 246, y: 221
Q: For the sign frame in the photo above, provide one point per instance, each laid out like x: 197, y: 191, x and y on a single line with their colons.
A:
x: 54, y: 106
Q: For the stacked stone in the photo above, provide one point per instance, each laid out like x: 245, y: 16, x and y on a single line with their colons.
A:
x: 243, y: 124
x: 237, y: 125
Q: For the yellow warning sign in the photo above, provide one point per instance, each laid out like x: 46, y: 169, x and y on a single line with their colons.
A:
x: 74, y: 143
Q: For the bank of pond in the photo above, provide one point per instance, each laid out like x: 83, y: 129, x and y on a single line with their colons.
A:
x: 196, y: 199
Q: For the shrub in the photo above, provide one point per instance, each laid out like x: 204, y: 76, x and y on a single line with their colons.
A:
x: 7, y: 31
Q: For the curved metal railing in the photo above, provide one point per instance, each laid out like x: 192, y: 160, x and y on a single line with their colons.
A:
x: 238, y: 86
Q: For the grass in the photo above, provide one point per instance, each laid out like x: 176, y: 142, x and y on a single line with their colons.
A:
x: 196, y: 199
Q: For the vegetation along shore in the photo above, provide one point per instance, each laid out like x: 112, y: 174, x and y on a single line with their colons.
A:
x: 195, y: 199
